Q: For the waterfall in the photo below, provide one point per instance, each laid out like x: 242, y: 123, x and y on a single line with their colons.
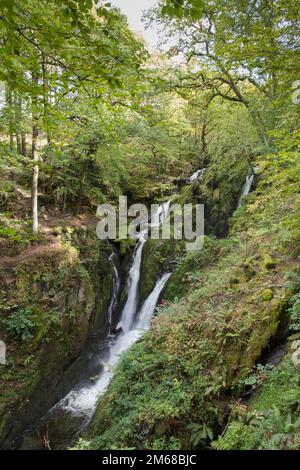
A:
x: 145, y: 315
x: 82, y: 400
x: 161, y: 214
x: 197, y: 175
x: 115, y: 290
x: 65, y: 420
x: 130, y: 307
x: 246, y: 188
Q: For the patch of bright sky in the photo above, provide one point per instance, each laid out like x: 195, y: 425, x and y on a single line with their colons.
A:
x: 134, y: 9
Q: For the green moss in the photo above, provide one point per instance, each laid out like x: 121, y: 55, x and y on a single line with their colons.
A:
x: 218, y: 190
x: 63, y: 293
x: 157, y: 259
x: 267, y: 295
x: 269, y: 262
x: 182, y: 376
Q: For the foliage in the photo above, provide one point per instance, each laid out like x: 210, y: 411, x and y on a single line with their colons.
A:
x: 86, y: 110
x: 183, y: 8
x: 176, y: 382
x: 294, y: 311
x: 241, y: 52
x: 200, y: 433
x: 20, y: 323
x: 258, y: 376
x: 272, y: 419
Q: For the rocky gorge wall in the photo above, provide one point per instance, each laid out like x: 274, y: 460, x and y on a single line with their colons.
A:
x: 53, y: 299
x: 226, y: 308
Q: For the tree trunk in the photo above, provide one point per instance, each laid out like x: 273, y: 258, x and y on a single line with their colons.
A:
x: 22, y: 132
x: 35, y: 179
x: 35, y: 168
x: 81, y: 187
x: 18, y: 121
x: 23, y: 144
x: 78, y: 205
x: 8, y: 99
x: 19, y: 143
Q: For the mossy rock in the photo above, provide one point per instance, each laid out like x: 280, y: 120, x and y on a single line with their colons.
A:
x: 269, y: 262
x: 157, y: 259
x: 267, y: 295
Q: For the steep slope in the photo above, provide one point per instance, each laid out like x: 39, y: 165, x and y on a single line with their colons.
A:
x: 174, y: 389
x: 53, y: 296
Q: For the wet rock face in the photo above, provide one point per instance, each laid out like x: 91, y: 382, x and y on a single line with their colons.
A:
x: 158, y: 258
x: 64, y: 298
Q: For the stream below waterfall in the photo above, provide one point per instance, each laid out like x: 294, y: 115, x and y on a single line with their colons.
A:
x: 64, y: 422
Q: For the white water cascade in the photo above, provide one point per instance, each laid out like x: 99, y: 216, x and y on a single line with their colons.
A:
x: 115, y: 290
x: 160, y: 215
x: 130, y: 307
x: 143, y: 321
x: 246, y: 188
x: 82, y: 401
x: 197, y: 175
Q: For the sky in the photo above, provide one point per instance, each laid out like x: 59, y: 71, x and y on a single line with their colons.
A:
x: 134, y: 10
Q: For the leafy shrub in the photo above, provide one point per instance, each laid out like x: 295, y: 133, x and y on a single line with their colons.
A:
x: 260, y: 373
x: 200, y: 434
x: 20, y: 323
x: 7, y: 193
x: 271, y: 421
x: 294, y: 311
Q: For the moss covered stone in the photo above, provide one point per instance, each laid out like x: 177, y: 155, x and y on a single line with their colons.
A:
x: 269, y: 262
x: 267, y: 295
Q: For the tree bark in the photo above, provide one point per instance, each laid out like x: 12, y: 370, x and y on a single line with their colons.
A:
x: 19, y: 143
x: 35, y: 180
x: 8, y: 99
x: 23, y: 144
x: 22, y: 127
x: 35, y: 168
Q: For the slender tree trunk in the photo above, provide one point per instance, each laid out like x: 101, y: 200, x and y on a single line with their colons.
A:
x: 46, y: 99
x: 19, y: 143
x: 35, y: 179
x: 35, y: 168
x: 18, y: 121
x: 8, y: 99
x: 23, y: 144
x: 81, y: 187
x: 79, y: 200
x: 22, y: 127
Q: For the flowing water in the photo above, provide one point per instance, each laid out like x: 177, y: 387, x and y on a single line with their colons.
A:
x: 144, y: 317
x: 84, y: 400
x: 246, y: 188
x: 115, y: 290
x: 129, y: 310
x: 197, y: 175
x: 64, y: 422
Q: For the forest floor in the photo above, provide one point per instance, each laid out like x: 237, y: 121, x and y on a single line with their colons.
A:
x: 51, y: 225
